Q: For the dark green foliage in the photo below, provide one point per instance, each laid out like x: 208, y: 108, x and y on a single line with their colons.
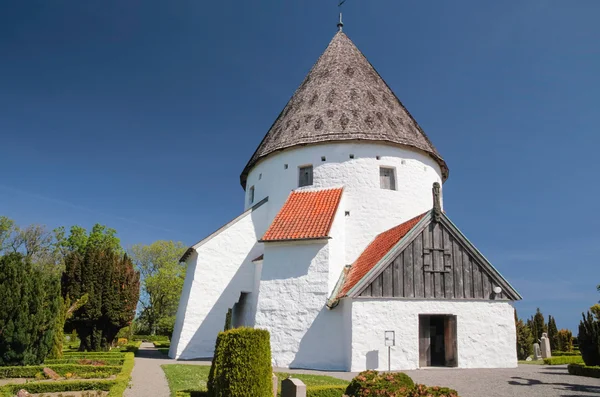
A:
x: 96, y: 266
x: 374, y: 384
x: 434, y: 391
x: 582, y: 370
x: 553, y: 333
x: 228, y: 320
x: 538, y: 326
x: 562, y: 360
x: 589, y: 339
x: 29, y: 301
x: 325, y: 391
x: 524, y: 340
x: 242, y: 364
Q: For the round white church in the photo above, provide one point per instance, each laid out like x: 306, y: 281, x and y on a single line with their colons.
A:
x: 344, y: 253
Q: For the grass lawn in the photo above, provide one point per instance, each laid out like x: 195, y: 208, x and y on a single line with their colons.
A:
x: 184, y: 380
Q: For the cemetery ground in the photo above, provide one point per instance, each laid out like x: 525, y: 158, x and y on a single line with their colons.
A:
x: 154, y: 374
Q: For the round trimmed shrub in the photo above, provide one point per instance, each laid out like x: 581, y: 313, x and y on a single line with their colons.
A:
x: 241, y: 364
x: 435, y: 391
x: 374, y: 384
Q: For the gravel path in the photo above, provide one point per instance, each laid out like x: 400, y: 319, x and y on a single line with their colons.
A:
x: 149, y: 379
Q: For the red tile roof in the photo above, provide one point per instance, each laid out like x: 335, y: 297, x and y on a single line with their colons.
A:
x: 305, y: 215
x: 375, y: 251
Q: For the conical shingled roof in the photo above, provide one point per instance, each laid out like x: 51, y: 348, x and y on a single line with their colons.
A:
x: 343, y: 98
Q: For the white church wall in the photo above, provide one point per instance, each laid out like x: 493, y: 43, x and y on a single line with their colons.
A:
x: 486, y: 335
x: 372, y: 209
x: 293, y: 292
x: 219, y: 270
x: 337, y: 245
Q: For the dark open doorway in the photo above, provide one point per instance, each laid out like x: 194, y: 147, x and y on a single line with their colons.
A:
x: 437, y: 341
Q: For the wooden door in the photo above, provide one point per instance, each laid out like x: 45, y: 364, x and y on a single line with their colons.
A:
x: 424, y: 342
x: 450, y: 341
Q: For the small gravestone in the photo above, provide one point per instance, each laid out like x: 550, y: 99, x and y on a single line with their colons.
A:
x: 546, y: 352
x: 23, y: 393
x: 275, y: 384
x: 529, y: 358
x: 537, y: 354
x: 51, y: 374
x: 292, y: 387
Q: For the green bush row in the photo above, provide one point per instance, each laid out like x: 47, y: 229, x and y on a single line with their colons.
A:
x: 582, y: 370
x: 57, y: 387
x: 123, y: 377
x: 76, y: 360
x: 325, y: 391
x: 162, y: 344
x: 561, y: 360
x: 31, y: 371
x: 559, y: 353
x: 151, y: 338
x: 131, y: 347
x: 94, y: 355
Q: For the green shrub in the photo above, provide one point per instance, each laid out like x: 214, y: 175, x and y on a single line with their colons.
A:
x: 589, y: 340
x: 131, y: 347
x: 242, y: 364
x: 162, y: 344
x: 30, y: 299
x: 565, y: 340
x: 84, y: 361
x: 61, y: 386
x: 434, y: 391
x: 561, y: 353
x: 325, y: 391
x: 151, y: 338
x: 374, y: 384
x: 61, y: 369
x: 561, y: 360
x: 582, y: 370
x: 122, y: 381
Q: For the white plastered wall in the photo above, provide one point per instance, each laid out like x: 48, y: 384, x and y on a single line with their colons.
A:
x: 486, y: 335
x: 372, y: 209
x: 218, y: 271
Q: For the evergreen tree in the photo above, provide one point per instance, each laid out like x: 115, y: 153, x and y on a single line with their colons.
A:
x: 29, y: 301
x: 539, y: 325
x: 553, y: 333
x: 96, y: 265
x: 524, y: 339
x: 565, y: 340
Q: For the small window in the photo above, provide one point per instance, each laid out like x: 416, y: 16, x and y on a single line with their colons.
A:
x: 285, y: 166
x: 251, y: 195
x: 305, y: 177
x: 323, y: 158
x: 387, y: 179
x: 351, y: 156
x: 259, y: 177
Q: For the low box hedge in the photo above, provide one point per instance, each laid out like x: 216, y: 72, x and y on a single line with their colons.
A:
x: 151, y: 338
x: 131, y: 347
x: 325, y: 391
x: 61, y: 386
x: 561, y: 360
x: 559, y: 353
x: 31, y: 371
x: 123, y: 378
x: 583, y: 370
x: 82, y: 361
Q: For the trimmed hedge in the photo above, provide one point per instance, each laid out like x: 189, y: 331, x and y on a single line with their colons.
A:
x: 76, y: 360
x: 123, y: 377
x: 582, y: 370
x: 374, y: 384
x: 131, y: 347
x: 151, y: 338
x: 560, y: 354
x: 241, y: 364
x: 561, y: 360
x: 162, y: 344
x: 433, y: 391
x: 94, y: 355
x: 325, y: 391
x: 62, y: 369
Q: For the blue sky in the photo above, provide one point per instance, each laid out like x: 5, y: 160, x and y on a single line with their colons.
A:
x: 141, y: 115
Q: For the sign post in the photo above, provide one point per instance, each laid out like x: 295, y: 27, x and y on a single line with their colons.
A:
x: 390, y: 340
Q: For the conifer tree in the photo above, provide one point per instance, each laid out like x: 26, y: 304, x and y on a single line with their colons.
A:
x: 539, y: 325
x: 524, y: 339
x: 553, y: 333
x: 29, y: 300
x: 96, y: 265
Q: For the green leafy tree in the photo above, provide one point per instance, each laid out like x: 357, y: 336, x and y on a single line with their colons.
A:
x: 29, y: 301
x: 565, y: 340
x: 96, y: 265
x: 552, y: 333
x: 524, y: 339
x: 538, y: 325
x: 162, y: 277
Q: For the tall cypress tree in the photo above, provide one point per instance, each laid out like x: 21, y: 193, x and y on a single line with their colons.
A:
x: 553, y: 333
x: 29, y: 301
x: 96, y: 266
x: 539, y: 325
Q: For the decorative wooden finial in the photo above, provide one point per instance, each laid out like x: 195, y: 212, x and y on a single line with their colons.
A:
x: 437, y: 204
x: 340, y: 24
